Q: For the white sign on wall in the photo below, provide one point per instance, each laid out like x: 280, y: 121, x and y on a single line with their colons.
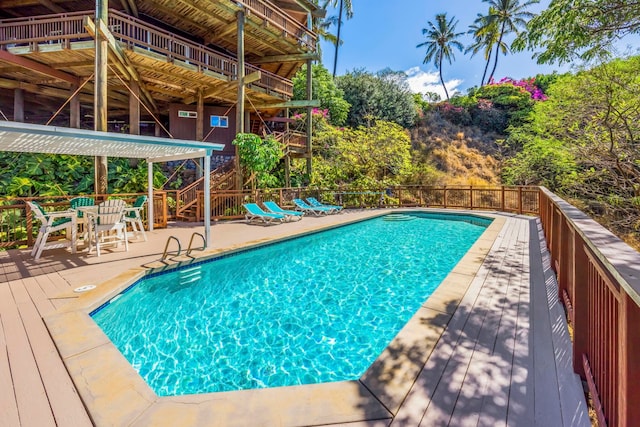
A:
x: 188, y: 114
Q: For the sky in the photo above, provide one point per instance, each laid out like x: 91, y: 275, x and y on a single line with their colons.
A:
x: 384, y: 34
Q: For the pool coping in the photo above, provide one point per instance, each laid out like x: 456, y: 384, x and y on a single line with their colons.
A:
x: 114, y: 393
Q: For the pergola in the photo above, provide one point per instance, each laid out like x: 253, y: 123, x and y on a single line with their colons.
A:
x: 31, y: 138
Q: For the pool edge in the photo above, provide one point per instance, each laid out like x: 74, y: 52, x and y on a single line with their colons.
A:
x: 115, y: 394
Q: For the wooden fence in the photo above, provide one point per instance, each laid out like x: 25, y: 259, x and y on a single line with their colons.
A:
x: 599, y: 282
x: 522, y: 200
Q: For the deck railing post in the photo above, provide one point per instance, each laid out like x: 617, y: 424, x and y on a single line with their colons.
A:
x: 580, y: 304
x: 519, y: 200
x: 471, y: 197
x: 444, y: 197
x: 629, y: 371
x: 502, y: 199
x: 29, y: 225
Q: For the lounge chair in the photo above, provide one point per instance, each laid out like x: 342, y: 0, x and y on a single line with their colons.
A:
x: 304, y: 207
x: 51, y: 222
x: 314, y: 202
x: 255, y: 212
x: 274, y: 208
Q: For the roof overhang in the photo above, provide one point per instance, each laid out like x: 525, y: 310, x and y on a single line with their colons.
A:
x: 31, y: 138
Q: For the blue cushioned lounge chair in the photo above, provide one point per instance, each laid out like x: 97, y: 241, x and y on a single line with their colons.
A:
x: 274, y: 208
x: 255, y: 212
x: 305, y: 207
x: 314, y: 202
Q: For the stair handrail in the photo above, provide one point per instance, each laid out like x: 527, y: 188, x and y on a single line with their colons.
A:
x: 187, y: 196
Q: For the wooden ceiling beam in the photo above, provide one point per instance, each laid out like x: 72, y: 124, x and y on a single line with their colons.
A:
x: 38, y: 67
x: 286, y: 58
x: 51, y: 6
x: 215, y: 92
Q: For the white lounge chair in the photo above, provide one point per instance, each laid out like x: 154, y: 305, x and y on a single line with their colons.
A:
x: 305, y: 207
x: 255, y: 212
x: 274, y: 208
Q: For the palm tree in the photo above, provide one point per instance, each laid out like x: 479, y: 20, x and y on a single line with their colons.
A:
x: 486, y: 35
x: 441, y: 38
x: 509, y: 15
x: 342, y: 6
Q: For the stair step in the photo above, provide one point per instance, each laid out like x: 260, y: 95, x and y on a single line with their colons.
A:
x: 398, y: 217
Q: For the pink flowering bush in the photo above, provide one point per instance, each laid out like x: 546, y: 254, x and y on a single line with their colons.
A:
x: 528, y: 85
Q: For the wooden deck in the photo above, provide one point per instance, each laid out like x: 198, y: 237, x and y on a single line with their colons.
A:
x: 504, y: 357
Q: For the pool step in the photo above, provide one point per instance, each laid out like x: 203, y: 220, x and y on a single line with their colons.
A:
x: 189, y: 275
x: 398, y: 217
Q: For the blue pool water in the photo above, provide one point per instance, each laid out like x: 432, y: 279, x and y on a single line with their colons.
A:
x: 314, y: 309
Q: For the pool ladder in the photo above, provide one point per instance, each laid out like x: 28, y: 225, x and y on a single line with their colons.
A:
x: 166, y: 252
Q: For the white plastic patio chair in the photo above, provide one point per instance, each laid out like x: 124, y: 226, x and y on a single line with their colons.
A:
x: 132, y: 216
x: 52, y: 222
x: 108, y: 219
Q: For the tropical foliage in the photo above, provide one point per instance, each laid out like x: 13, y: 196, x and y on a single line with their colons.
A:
x: 383, y: 96
x: 579, y: 29
x: 259, y: 157
x: 583, y: 141
x: 325, y: 90
x: 35, y: 174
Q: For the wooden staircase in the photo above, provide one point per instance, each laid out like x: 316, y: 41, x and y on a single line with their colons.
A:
x: 222, y: 178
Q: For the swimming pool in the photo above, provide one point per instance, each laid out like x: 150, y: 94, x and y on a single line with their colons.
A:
x: 314, y: 309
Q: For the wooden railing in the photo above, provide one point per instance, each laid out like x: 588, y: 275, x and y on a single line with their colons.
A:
x: 293, y: 141
x: 288, y: 26
x: 599, y: 282
x: 522, y: 200
x: 68, y: 27
x: 221, y: 179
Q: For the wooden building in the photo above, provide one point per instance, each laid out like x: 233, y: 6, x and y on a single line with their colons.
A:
x: 188, y: 69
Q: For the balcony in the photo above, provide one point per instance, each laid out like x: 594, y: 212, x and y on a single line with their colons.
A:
x: 171, y: 67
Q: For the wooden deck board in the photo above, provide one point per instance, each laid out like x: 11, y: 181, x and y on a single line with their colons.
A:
x: 65, y: 403
x: 31, y: 398
x: 8, y: 407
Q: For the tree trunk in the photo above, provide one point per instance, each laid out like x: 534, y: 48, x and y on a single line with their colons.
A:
x: 441, y: 79
x: 486, y: 67
x: 335, y: 57
x: 495, y: 63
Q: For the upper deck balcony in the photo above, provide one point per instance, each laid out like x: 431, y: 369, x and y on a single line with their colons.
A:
x: 172, y: 68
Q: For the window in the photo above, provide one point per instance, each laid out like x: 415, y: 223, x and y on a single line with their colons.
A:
x: 219, y: 121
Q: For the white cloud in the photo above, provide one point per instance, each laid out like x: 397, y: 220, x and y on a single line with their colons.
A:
x: 422, y: 81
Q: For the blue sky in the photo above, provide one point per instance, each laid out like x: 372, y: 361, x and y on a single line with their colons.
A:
x: 385, y: 34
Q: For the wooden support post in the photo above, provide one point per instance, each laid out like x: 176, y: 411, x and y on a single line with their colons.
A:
x: 18, y: 105
x: 134, y: 108
x: 200, y: 131
x: 287, y: 157
x: 241, y: 93
x: 74, y: 109
x: 134, y: 114
x: 100, y: 95
x: 309, y: 118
